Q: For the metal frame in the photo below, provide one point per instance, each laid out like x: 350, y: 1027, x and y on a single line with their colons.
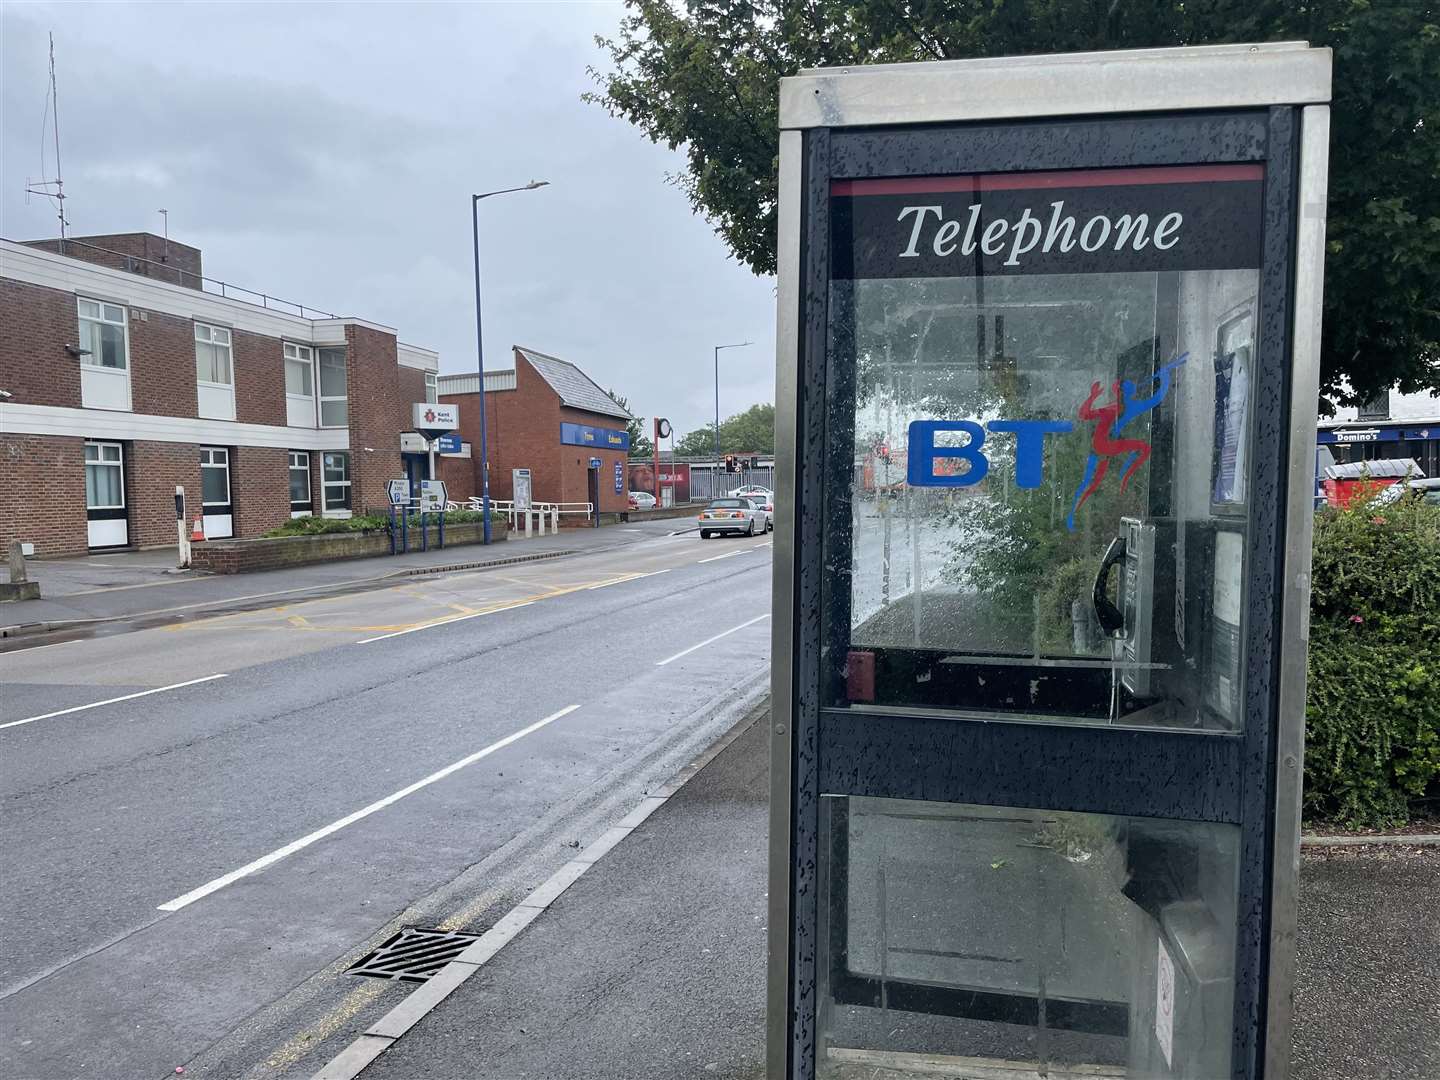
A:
x: 1308, y: 290
x: 1099, y: 88
x: 1058, y: 84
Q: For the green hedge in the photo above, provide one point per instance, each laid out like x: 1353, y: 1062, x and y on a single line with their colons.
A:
x: 314, y: 525
x: 1373, y: 714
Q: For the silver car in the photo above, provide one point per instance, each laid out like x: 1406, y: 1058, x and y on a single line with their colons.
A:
x: 741, y: 517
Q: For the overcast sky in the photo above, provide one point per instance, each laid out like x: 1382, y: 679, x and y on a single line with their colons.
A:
x: 326, y: 153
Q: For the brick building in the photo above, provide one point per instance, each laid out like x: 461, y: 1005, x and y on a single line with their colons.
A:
x: 548, y: 416
x: 123, y: 374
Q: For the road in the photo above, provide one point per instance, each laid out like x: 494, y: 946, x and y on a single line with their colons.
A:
x: 207, y: 822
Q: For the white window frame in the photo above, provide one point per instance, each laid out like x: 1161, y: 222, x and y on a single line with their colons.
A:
x: 300, y: 354
x: 295, y: 466
x: 118, y: 463
x: 326, y: 484
x: 209, y: 334
x: 432, y: 388
x: 91, y: 356
x: 321, y: 398
x: 207, y: 461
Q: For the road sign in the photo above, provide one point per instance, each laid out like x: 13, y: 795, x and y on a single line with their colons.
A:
x: 595, y: 463
x: 448, y: 444
x: 433, y: 496
x: 399, y: 491
x: 619, y: 477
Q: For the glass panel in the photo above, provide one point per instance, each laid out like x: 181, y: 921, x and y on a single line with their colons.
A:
x: 297, y: 378
x: 299, y: 484
x: 114, y: 314
x: 1046, y: 378
x: 215, y: 478
x: 332, y: 372
x: 109, y: 453
x: 1023, y: 940
x: 89, y: 309
x: 337, y: 467
x: 92, y: 452
x: 333, y: 413
x: 102, y: 486
x: 112, y: 345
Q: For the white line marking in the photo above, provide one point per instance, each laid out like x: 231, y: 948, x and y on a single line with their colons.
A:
x: 443, y: 622
x: 727, y: 555
x: 622, y: 580
x: 350, y: 819
x: 109, y: 701
x: 707, y: 641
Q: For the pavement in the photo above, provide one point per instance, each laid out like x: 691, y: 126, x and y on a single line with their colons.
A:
x: 142, y: 584
x: 207, y: 821
x: 653, y: 963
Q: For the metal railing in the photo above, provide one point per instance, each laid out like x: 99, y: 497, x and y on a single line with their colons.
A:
x: 174, y: 274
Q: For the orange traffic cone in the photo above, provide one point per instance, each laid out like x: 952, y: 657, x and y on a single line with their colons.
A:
x: 197, y: 531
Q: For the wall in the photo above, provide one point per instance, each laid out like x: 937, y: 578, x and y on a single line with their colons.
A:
x: 575, y: 466
x: 36, y: 324
x: 260, y: 478
x: 378, y: 413
x: 162, y: 364
x: 179, y: 263
x: 247, y: 556
x: 259, y: 378
x: 42, y: 491
x: 152, y: 469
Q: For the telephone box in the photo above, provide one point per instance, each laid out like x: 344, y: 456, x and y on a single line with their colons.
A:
x: 1048, y: 367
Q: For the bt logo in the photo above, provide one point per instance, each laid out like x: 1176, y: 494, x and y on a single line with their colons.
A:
x: 929, y: 465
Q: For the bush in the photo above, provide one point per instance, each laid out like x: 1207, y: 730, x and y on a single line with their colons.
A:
x: 313, y: 525
x: 1373, y: 708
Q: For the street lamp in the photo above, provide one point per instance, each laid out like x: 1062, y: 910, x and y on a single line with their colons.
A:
x: 480, y: 348
x: 738, y: 345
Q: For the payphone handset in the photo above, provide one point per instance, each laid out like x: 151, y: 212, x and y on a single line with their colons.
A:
x: 1131, y: 623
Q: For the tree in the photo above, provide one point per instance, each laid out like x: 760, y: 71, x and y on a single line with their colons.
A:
x: 749, y: 432
x: 640, y: 444
x: 705, y: 78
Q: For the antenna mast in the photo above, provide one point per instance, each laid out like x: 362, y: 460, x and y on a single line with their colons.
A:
x: 54, y: 190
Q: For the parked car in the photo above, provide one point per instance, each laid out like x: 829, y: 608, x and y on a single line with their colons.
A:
x: 642, y: 500
x: 1427, y: 489
x: 738, y: 516
x: 751, y: 490
x: 767, y: 504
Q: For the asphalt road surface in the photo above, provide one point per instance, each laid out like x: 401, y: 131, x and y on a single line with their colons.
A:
x: 205, y: 823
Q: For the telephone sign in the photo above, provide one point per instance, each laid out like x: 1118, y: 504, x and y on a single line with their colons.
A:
x: 1038, y: 670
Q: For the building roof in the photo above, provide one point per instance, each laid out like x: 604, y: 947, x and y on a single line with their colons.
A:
x: 1376, y: 469
x: 470, y: 384
x: 574, y: 387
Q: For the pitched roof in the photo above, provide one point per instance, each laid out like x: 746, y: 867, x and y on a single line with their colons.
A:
x: 574, y: 387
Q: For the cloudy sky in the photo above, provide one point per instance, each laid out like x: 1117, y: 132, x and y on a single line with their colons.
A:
x: 326, y: 153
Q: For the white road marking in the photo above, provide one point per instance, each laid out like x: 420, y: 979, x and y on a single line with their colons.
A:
x: 622, y: 580
x: 727, y: 555
x: 707, y: 641
x: 350, y: 819
x: 443, y: 622
x: 109, y: 701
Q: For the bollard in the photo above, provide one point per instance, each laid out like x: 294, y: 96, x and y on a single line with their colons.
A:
x: 18, y: 573
x: 555, y: 519
x: 529, y: 525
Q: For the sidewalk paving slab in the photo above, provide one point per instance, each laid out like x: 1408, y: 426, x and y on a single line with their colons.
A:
x: 653, y: 963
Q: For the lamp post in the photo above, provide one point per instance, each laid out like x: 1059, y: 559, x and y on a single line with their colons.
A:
x: 737, y: 345
x: 480, y: 348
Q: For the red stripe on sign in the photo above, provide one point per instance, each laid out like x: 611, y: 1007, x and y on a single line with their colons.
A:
x: 1069, y: 178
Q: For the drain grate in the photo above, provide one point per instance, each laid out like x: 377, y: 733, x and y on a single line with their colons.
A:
x: 414, y: 954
